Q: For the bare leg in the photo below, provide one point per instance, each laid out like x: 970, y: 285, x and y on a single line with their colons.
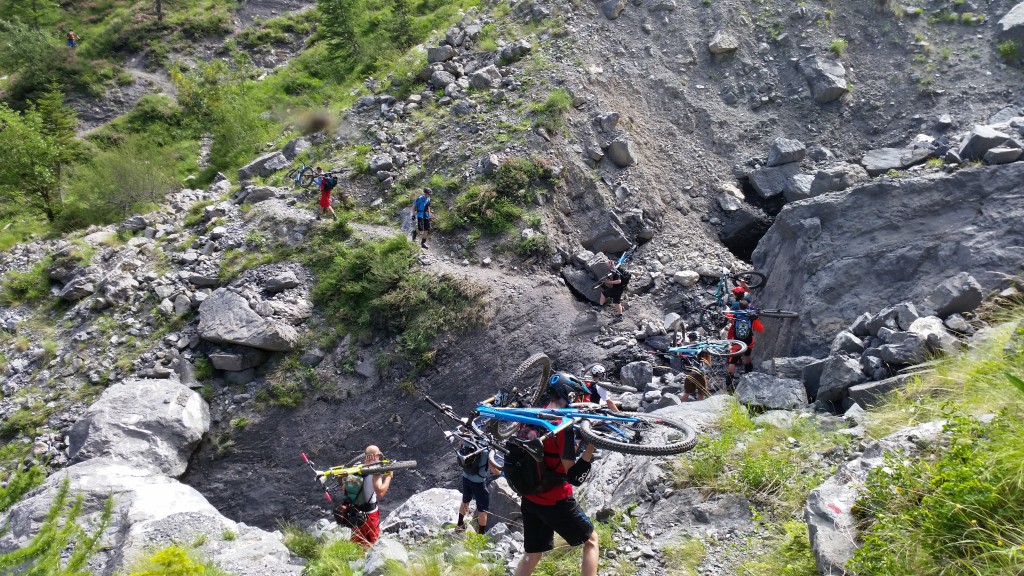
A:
x: 529, y: 561
x: 591, y: 554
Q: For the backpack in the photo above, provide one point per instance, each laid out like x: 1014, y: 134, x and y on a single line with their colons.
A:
x: 330, y: 182
x: 524, y: 473
x: 469, y: 456
x: 625, y: 276
x: 742, y: 327
x: 351, y: 512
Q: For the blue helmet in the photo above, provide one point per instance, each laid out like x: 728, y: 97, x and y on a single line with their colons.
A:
x: 565, y: 386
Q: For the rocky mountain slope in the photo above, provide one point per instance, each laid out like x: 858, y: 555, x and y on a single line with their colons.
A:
x: 692, y: 127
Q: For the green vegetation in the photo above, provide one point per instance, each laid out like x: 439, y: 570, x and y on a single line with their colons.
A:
x: 789, y: 553
x: 15, y: 478
x: 1009, y: 50
x: 25, y: 421
x: 333, y: 559
x: 280, y: 30
x: 60, y: 547
x: 174, y: 561
x: 493, y: 205
x: 683, y: 558
x: 299, y: 542
x: 549, y: 113
x: 31, y: 285
x: 371, y: 288
x: 837, y: 46
x: 771, y: 465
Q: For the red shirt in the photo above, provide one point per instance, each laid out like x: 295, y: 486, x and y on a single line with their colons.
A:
x: 564, y: 445
x: 755, y: 326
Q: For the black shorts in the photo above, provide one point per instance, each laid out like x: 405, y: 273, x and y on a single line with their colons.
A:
x: 476, y: 491
x: 738, y: 358
x: 423, y: 224
x: 615, y: 294
x: 564, y: 517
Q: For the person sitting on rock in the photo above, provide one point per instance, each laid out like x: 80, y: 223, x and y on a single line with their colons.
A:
x: 742, y: 327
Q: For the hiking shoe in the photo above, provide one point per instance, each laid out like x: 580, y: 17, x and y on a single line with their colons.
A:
x: 424, y: 245
x: 414, y: 235
x: 460, y: 528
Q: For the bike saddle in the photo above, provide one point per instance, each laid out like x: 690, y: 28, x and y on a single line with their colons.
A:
x: 534, y: 447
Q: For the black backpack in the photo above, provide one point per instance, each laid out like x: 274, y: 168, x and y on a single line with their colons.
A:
x: 524, y: 464
x: 625, y: 276
x: 330, y: 182
x: 469, y: 456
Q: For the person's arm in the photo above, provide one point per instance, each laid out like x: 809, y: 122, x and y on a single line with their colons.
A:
x: 381, y: 484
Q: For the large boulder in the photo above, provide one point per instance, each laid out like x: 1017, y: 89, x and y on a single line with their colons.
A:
x: 424, y: 514
x: 784, y: 151
x: 637, y: 374
x: 621, y: 153
x: 582, y: 283
x: 885, y: 242
x: 769, y: 182
x: 384, y: 550
x: 1011, y: 26
x: 829, y: 511
x: 826, y: 78
x: 151, y: 422
x: 263, y: 166
x: 979, y: 141
x: 486, y: 77
x: 151, y: 511
x: 955, y: 295
x: 723, y: 42
x: 882, y: 160
x: 607, y: 238
x: 226, y: 318
x: 838, y: 177
x: 839, y: 373
x: 904, y: 349
x: 934, y: 333
x: 767, y: 391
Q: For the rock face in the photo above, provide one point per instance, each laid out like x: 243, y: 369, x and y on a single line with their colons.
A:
x: 225, y: 317
x: 885, y: 242
x: 830, y: 522
x: 424, y: 514
x: 621, y: 153
x: 263, y: 166
x: 759, y: 389
x: 826, y: 78
x: 158, y: 422
x: 1011, y: 26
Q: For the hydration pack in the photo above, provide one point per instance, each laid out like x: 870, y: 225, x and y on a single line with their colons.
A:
x: 330, y: 182
x: 470, y: 458
x: 625, y: 276
x: 742, y: 327
x: 525, y: 473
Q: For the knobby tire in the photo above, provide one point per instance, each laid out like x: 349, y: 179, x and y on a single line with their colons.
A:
x: 754, y: 280
x: 306, y: 178
x: 713, y: 318
x: 530, y: 395
x: 778, y: 313
x: 612, y: 387
x: 726, y: 348
x: 640, y: 442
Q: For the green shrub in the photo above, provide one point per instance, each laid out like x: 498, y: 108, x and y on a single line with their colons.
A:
x: 515, y: 177
x: 958, y: 509
x: 683, y: 558
x: 549, y: 113
x: 789, y: 553
x: 482, y: 206
x: 25, y: 421
x: 299, y: 542
x: 334, y: 559
x: 31, y: 285
x: 837, y: 46
x: 174, y: 561
x: 535, y: 245
x: 1008, y: 50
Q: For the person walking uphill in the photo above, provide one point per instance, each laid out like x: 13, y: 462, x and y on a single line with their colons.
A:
x: 374, y: 487
x: 614, y: 287
x: 477, y: 473
x: 421, y: 209
x: 554, y: 509
x: 742, y: 327
x: 326, y: 184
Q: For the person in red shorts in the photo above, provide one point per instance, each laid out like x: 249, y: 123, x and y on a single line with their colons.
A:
x: 742, y: 327
x: 555, y: 509
x: 375, y: 487
x: 324, y: 205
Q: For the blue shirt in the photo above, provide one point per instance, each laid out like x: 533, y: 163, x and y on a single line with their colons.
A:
x: 422, y: 206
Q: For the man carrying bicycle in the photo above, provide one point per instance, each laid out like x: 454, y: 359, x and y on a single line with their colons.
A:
x: 742, y: 325
x: 477, y: 472
x: 375, y: 486
x: 614, y: 287
x: 555, y: 509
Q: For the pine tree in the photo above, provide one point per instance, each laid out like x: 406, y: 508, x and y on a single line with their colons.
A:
x: 338, y: 25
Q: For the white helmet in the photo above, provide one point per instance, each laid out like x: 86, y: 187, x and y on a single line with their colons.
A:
x: 597, y: 370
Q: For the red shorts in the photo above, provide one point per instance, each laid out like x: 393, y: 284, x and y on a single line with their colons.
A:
x: 368, y: 533
x: 325, y: 200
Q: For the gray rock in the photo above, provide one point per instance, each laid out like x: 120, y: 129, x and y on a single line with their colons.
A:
x: 838, y: 374
x: 237, y: 359
x: 686, y: 278
x: 608, y: 121
x: 784, y: 151
x: 769, y: 182
x: 826, y: 78
x: 799, y: 187
x: 846, y: 342
x: 958, y: 294
x: 979, y: 141
x: 933, y: 331
x: 765, y: 390
x: 203, y: 279
x: 225, y: 317
x: 838, y: 177
x: 142, y: 422
x: 958, y: 324
x: 440, y: 54
x: 882, y: 160
x: 885, y: 242
x: 424, y: 513
x: 729, y: 203
x: 873, y: 367
x: 637, y: 375
x: 257, y: 194
x: 1002, y: 155
x: 790, y: 367
x: 782, y: 419
x: 440, y: 79
x: 1011, y: 26
x: 486, y: 77
x: 182, y: 305
x: 81, y: 286
x: 608, y: 238
x: 723, y: 42
x: 136, y: 223
x: 904, y: 348
x: 294, y: 148
x: 582, y: 283
x: 871, y: 394
x: 612, y: 8
x: 382, y: 551
x: 661, y: 6
x: 621, y: 153
x: 281, y: 282
x: 263, y: 166
x: 514, y: 51
x: 860, y: 326
x: 240, y: 378
x: 381, y: 162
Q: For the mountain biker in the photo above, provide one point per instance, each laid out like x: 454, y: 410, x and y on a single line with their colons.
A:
x: 595, y: 392
x: 555, y: 509
x: 740, y: 293
x: 421, y: 209
x: 325, y: 186
x: 742, y: 327
x: 614, y: 288
x: 375, y: 486
x: 476, y: 485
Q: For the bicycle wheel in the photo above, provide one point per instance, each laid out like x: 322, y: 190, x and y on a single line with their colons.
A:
x: 523, y: 389
x: 388, y: 467
x: 752, y: 279
x: 612, y: 387
x: 645, y: 435
x: 726, y: 348
x: 713, y: 318
x: 778, y: 313
x: 306, y: 177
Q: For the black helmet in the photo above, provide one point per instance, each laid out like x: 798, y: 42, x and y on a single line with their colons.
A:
x: 565, y: 386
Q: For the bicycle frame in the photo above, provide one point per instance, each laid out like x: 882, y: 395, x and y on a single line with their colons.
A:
x: 342, y: 471
x: 546, y: 418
